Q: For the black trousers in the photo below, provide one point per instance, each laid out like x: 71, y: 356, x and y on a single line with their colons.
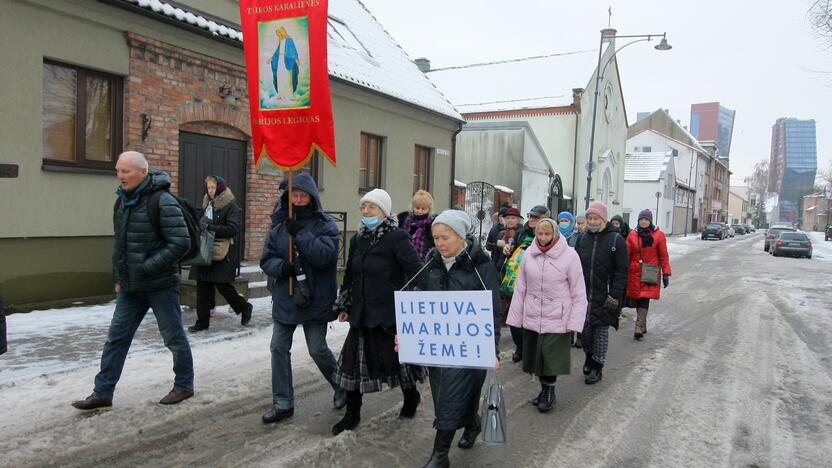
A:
x: 205, y: 299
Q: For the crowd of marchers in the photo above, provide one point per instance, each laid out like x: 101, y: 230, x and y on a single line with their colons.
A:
x: 556, y: 283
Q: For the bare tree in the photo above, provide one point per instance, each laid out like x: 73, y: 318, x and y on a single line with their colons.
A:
x: 758, y: 185
x: 820, y: 17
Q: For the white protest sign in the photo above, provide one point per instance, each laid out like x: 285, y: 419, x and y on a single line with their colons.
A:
x: 446, y: 328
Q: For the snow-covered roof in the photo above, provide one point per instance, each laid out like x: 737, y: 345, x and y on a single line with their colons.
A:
x: 645, y: 167
x: 531, y: 84
x: 360, y: 52
x: 503, y: 189
x: 459, y: 184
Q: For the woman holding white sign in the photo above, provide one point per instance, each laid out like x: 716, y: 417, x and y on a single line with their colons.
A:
x: 458, y: 263
x: 549, y: 303
x: 381, y: 258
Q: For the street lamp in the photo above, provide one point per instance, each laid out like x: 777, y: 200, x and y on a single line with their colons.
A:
x: 606, y: 35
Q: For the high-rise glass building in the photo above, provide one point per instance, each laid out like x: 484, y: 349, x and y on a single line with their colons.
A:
x: 793, y: 164
x: 710, y: 121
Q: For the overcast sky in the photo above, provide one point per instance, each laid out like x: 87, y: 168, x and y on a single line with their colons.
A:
x: 759, y: 58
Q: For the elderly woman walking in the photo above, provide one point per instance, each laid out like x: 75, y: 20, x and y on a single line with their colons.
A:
x: 458, y: 263
x: 549, y: 303
x: 647, y: 245
x: 603, y: 254
x: 222, y: 215
x: 381, y: 259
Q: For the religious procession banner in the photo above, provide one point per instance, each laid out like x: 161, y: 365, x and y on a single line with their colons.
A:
x: 285, y: 46
x: 446, y: 328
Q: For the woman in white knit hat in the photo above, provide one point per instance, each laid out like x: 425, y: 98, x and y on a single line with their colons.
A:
x: 380, y: 261
x: 458, y: 263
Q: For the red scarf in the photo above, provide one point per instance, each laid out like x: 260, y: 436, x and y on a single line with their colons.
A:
x: 545, y: 248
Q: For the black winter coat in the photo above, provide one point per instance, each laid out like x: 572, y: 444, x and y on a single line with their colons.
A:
x: 226, y: 225
x: 605, y: 262
x: 456, y: 391
x: 142, y: 260
x: 374, y: 273
x: 318, y: 243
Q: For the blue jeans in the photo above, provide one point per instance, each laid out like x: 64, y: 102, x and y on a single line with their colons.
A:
x: 131, y: 307
x: 283, y: 393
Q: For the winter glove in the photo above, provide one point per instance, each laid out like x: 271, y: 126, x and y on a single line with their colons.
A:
x: 666, y: 280
x: 204, y: 222
x: 293, y: 226
x: 287, y: 270
x: 611, y: 305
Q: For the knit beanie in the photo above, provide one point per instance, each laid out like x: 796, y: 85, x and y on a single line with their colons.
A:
x: 646, y: 214
x: 599, y: 209
x: 457, y: 220
x: 379, y: 198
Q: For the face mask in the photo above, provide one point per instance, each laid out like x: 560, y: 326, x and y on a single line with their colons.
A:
x: 564, y: 225
x: 593, y: 228
x: 370, y: 221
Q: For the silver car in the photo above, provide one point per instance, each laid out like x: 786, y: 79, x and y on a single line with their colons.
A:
x: 793, y: 244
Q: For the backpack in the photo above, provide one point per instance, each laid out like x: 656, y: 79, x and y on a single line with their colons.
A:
x: 189, y: 212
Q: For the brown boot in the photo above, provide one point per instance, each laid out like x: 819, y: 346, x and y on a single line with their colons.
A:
x: 641, y: 324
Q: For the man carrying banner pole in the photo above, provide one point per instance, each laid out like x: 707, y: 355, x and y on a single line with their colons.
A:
x: 291, y: 121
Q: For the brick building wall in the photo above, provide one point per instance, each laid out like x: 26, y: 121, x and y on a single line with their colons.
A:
x: 179, y: 90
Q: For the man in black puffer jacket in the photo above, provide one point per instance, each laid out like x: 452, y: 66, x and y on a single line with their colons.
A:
x: 146, y: 276
x: 605, y: 262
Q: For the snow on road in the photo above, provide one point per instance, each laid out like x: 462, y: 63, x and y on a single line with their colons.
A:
x: 54, y: 355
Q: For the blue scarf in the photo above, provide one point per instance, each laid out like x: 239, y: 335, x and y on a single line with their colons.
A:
x: 131, y: 197
x: 568, y: 231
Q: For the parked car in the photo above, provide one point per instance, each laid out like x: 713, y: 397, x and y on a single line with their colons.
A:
x: 750, y: 228
x: 738, y: 228
x: 795, y: 244
x: 828, y: 232
x: 773, y: 233
x: 714, y: 231
x: 729, y: 231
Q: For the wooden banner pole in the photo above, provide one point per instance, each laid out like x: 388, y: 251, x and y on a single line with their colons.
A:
x: 291, y: 240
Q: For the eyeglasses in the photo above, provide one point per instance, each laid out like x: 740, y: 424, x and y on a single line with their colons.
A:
x: 533, y: 216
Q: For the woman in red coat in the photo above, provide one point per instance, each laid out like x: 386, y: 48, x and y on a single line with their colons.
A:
x: 646, y: 244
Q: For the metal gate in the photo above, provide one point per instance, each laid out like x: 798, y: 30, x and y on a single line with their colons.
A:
x: 479, y: 204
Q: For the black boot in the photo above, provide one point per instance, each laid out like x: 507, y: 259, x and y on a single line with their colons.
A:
x: 412, y: 397
x: 469, y: 435
x: 518, y: 355
x: 586, y: 363
x: 594, y: 375
x: 352, y: 416
x: 536, y: 399
x: 547, y: 399
x: 441, y: 446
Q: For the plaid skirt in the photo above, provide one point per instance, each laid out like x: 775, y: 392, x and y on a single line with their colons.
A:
x: 368, y: 362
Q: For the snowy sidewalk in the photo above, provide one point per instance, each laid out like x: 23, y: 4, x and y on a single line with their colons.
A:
x: 48, y: 342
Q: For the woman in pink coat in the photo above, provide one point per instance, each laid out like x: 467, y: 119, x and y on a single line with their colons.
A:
x: 549, y: 303
x: 647, y: 244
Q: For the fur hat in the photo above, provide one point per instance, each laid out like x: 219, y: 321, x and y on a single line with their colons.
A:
x: 379, y: 198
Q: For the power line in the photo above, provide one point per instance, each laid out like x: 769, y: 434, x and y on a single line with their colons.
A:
x: 499, y: 62
x: 511, y: 100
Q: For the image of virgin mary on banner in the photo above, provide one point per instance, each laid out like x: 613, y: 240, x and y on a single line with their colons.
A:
x: 288, y: 83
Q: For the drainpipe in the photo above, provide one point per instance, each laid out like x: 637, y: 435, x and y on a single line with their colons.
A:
x: 575, y: 159
x: 453, y: 163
